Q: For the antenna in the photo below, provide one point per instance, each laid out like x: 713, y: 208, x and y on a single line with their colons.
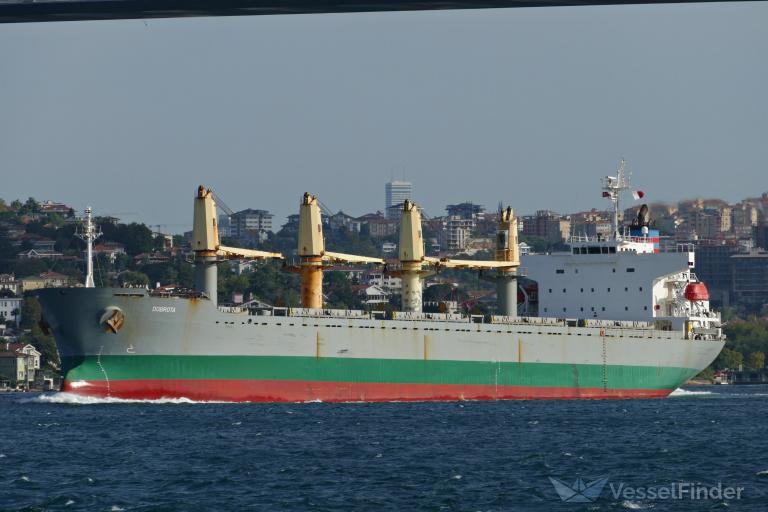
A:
x: 613, y: 186
x: 89, y: 234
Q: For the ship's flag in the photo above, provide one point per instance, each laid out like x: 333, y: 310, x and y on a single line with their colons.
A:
x: 606, y: 194
x: 638, y: 194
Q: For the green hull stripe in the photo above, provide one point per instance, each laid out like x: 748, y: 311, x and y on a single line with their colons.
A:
x: 407, y: 371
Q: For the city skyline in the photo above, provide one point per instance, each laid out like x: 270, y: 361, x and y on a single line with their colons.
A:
x: 601, y: 207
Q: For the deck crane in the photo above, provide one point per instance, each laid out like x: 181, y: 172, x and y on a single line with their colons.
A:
x: 413, y: 261
x: 208, y: 248
x: 311, y: 250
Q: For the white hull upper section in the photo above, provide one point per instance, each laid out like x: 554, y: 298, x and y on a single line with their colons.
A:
x: 619, y: 286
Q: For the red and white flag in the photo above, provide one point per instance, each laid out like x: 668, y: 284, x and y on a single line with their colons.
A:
x: 638, y: 194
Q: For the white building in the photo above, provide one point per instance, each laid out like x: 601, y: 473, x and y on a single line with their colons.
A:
x: 384, y: 281
x: 458, y: 232
x: 18, y: 364
x: 10, y: 309
x: 371, y: 295
x: 396, y: 192
x: 251, y: 223
x: 9, y: 282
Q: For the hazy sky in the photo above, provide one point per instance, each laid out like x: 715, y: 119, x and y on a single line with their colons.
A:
x: 526, y: 106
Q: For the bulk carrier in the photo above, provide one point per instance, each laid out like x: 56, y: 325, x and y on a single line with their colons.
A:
x: 619, y: 318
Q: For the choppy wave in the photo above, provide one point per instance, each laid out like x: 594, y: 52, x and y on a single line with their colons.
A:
x: 74, y: 399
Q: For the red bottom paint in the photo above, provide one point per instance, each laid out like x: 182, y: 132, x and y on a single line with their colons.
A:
x: 303, y: 391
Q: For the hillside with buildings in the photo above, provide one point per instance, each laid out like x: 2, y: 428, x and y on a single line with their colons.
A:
x: 39, y: 248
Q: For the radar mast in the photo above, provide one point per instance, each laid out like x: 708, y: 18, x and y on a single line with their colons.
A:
x: 613, y: 186
x: 89, y: 234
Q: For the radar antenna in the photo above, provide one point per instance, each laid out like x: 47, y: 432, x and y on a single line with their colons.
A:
x: 90, y: 233
x: 613, y: 186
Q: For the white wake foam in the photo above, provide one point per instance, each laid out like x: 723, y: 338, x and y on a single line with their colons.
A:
x: 685, y: 392
x: 634, y: 505
x: 74, y: 399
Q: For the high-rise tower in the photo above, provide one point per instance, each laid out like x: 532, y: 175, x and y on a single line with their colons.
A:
x: 396, y: 193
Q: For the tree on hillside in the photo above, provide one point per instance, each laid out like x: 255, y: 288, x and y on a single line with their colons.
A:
x: 338, y: 291
x: 30, y: 267
x: 7, y: 254
x: 747, y: 335
x: 756, y: 361
x: 133, y: 279
x: 137, y: 238
x: 31, y: 313
x: 729, y: 359
x: 438, y: 292
x: 273, y: 285
x: 536, y: 243
x: 30, y: 206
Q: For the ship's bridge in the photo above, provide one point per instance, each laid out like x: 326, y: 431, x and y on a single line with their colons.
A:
x: 628, y: 242
x: 586, y: 245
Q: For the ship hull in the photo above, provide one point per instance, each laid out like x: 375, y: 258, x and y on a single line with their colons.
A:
x: 314, y: 391
x: 176, y: 347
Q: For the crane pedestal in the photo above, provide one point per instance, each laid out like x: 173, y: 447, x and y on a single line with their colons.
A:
x: 311, y: 272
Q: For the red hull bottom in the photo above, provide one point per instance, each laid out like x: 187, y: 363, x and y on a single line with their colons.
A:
x: 304, y: 391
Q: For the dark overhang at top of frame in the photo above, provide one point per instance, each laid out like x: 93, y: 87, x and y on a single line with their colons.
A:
x: 17, y: 11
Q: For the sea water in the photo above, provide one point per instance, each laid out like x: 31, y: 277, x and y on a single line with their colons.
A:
x: 63, y: 452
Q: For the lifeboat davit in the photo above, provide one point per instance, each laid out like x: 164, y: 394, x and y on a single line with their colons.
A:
x: 696, y: 291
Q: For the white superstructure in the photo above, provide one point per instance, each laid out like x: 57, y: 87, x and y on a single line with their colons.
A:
x: 623, y: 278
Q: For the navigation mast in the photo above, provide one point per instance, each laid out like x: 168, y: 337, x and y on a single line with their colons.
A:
x: 89, y: 234
x: 613, y: 186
